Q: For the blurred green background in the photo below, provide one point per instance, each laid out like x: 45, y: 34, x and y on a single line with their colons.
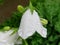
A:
x: 1, y: 2
x: 48, y: 9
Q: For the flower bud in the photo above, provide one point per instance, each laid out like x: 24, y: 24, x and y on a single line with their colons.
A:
x: 44, y: 21
x: 6, y: 28
x: 20, y: 8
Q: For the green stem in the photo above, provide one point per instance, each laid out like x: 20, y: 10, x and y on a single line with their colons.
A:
x: 31, y: 7
x: 24, y: 42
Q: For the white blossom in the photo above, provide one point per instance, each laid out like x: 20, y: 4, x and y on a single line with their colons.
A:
x: 7, y: 39
x: 30, y: 23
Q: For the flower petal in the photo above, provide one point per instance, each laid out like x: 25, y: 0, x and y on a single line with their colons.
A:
x: 38, y: 25
x: 6, y: 37
x: 2, y: 43
x: 26, y: 28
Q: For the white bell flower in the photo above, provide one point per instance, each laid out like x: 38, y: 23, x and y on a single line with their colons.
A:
x: 30, y: 23
x: 7, y: 39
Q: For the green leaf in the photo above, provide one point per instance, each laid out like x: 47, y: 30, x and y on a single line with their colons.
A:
x: 57, y: 26
x: 59, y: 43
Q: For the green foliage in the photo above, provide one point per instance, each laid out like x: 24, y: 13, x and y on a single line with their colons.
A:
x: 14, y: 21
x: 1, y: 2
